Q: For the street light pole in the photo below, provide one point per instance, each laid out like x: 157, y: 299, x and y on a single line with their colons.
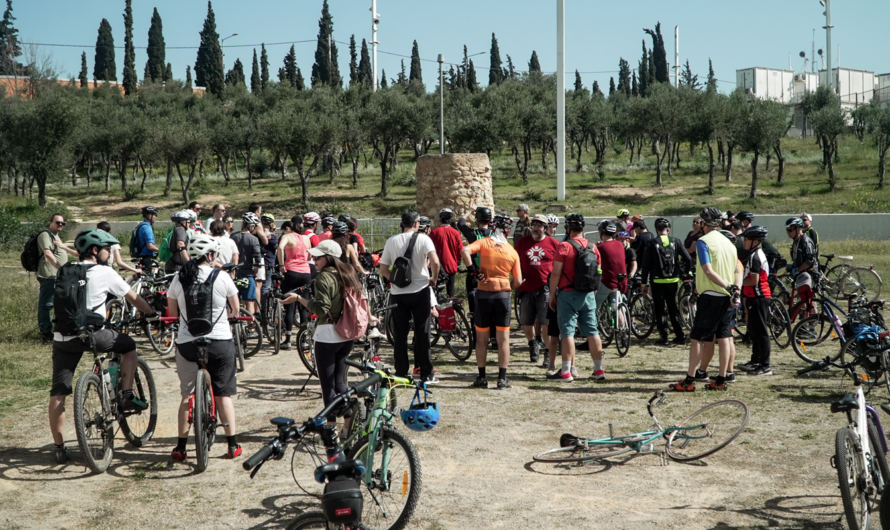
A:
x: 375, y: 20
x: 222, y: 42
x: 560, y: 100
x: 828, y: 26
x: 441, y: 60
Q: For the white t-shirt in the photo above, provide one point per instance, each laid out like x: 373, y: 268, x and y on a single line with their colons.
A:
x: 223, y: 287
x: 101, y: 281
x: 227, y: 248
x: 396, y: 247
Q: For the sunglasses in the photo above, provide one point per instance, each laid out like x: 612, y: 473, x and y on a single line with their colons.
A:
x: 60, y: 223
x: 789, y: 230
x: 230, y: 222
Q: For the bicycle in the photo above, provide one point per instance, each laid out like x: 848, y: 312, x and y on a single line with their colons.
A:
x: 273, y: 320
x: 702, y: 433
x: 239, y: 325
x: 123, y: 317
x: 860, y: 450
x: 778, y: 323
x: 687, y: 301
x: 613, y: 319
x: 641, y: 309
x: 97, y: 405
x: 247, y: 332
x: 815, y: 336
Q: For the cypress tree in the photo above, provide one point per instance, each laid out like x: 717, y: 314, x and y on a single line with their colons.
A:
x: 325, y: 70
x: 236, y: 74
x: 104, y: 67
x: 188, y: 77
x: 495, y: 72
x: 634, y: 89
x: 365, y: 75
x: 130, y: 80
x: 511, y: 70
x: 533, y: 64
x: 578, y: 84
x: 611, y: 86
x: 9, y: 44
x: 415, y: 64
x: 661, y: 73
x: 157, y: 54
x: 209, y: 65
x: 84, y: 73
x: 146, y: 76
x: 264, y: 67
x: 652, y: 78
x: 643, y: 69
x: 353, y: 61
x: 383, y: 83
x: 402, y: 78
x: 472, y: 84
x: 624, y: 76
x: 596, y: 88
x: 688, y: 78
x: 256, y: 85
x: 290, y: 67
x: 300, y: 82
x: 712, y: 79
x: 452, y: 78
x: 168, y: 72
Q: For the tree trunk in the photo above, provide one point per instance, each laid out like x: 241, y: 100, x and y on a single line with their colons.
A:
x: 578, y: 165
x: 711, y: 167
x: 355, y: 172
x: 768, y: 157
x: 721, y: 155
x: 780, y: 156
x: 384, y: 167
x: 544, y: 156
x: 832, y: 181
x: 122, y: 172
x: 41, y: 189
x: 247, y: 154
x: 15, y: 181
x: 89, y: 171
x: 730, y: 146
x: 283, y: 162
x: 753, y: 194
x: 187, y: 184
x: 632, y: 145
x: 883, y: 144
x: 74, y: 174
x: 669, y: 152
x: 107, y: 172
x: 677, y: 154
x: 658, y: 158
x: 169, y: 183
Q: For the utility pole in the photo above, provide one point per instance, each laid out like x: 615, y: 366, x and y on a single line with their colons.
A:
x: 828, y: 26
x: 560, y: 100
x: 676, y: 56
x: 375, y: 20
x: 441, y: 60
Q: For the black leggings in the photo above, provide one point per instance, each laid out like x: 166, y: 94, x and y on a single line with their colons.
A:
x: 291, y: 281
x: 330, y: 357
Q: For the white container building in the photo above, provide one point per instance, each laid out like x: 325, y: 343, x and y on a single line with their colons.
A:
x: 767, y: 83
x: 854, y: 87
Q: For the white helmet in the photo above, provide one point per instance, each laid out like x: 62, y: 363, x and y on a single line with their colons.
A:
x: 181, y: 215
x: 552, y: 219
x: 201, y: 244
x: 311, y: 217
x: 250, y: 219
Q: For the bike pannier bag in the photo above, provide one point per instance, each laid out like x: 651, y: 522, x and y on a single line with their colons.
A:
x: 401, y: 270
x: 447, y: 319
x: 342, y: 501
x: 73, y: 316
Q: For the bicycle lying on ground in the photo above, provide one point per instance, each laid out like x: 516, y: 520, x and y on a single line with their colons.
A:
x: 702, y: 433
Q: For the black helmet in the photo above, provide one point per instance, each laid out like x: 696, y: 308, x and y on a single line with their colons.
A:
x: 344, y: 217
x: 711, y: 216
x: 339, y: 228
x: 662, y: 224
x: 574, y: 221
x: 483, y: 214
x: 445, y: 214
x: 729, y: 235
x: 757, y: 233
x: 503, y: 221
x: 743, y: 215
x: 794, y: 222
x: 327, y: 221
x: 425, y: 222
x: 608, y: 227
x: 149, y: 210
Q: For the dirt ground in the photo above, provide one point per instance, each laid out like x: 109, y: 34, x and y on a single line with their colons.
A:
x: 477, y: 465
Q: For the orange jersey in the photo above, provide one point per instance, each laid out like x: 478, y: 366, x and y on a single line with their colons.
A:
x: 497, y: 262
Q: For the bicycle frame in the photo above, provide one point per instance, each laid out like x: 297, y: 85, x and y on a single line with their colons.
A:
x: 861, y: 427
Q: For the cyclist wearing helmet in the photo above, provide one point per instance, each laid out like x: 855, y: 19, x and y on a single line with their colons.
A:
x: 536, y: 252
x: 612, y: 263
x: 293, y: 264
x: 552, y: 224
x: 693, y: 236
x: 497, y: 262
x: 203, y: 251
x: 574, y: 308
x: 666, y: 260
x: 326, y: 224
x: 269, y: 254
x: 178, y: 241
x: 448, y: 245
x: 523, y: 223
x: 630, y: 256
x: 483, y: 218
x: 622, y: 221
x: 250, y: 257
x: 809, y: 230
x: 93, y: 248
x: 755, y: 287
x: 805, y: 261
x: 340, y: 235
x: 717, y: 281
x: 310, y: 223
x: 747, y: 219
x: 145, y: 237
x: 425, y: 224
x: 358, y: 244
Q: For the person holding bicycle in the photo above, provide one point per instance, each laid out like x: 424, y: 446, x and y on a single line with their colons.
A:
x: 203, y: 250
x: 747, y: 220
x: 805, y: 261
x: 448, y: 245
x: 612, y: 263
x: 666, y: 260
x: 94, y: 246
x: 145, y: 237
x: 809, y: 231
x: 755, y: 288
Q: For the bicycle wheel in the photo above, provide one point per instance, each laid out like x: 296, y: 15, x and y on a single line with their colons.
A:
x: 139, y: 426
x: 203, y: 418
x: 578, y: 453
x: 305, y: 347
x: 161, y: 336
x: 643, y: 316
x: 253, y: 335
x: 313, y: 519
x: 687, y: 311
x: 813, y: 339
x: 707, y: 430
x: 459, y: 340
x: 276, y: 323
x: 604, y: 321
x: 92, y: 423
x: 850, y: 468
x: 835, y: 278
x: 389, y: 327
x: 879, y: 456
x: 238, y: 334
x: 862, y: 281
x: 395, y: 479
x: 622, y: 330
x: 779, y: 324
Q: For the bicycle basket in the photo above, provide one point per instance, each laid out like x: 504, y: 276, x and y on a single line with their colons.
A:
x: 342, y: 501
x: 420, y: 416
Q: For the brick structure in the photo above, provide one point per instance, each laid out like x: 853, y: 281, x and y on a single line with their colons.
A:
x: 460, y: 181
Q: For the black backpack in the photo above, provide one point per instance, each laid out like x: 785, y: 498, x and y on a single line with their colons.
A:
x: 73, y: 317
x: 31, y: 254
x: 587, y: 275
x: 667, y: 258
x: 400, y: 275
x: 199, y: 305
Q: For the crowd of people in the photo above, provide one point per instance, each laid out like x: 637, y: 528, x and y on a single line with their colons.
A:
x: 558, y: 283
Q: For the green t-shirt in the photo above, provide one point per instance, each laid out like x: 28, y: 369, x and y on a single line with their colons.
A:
x: 45, y: 241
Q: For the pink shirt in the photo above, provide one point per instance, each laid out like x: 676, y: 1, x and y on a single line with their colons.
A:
x: 295, y: 258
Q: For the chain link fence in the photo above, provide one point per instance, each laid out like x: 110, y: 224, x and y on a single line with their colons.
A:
x: 375, y: 232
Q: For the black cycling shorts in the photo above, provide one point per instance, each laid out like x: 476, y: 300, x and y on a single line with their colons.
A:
x: 552, y: 323
x: 220, y: 365
x: 713, y: 318
x: 67, y: 354
x: 492, y: 312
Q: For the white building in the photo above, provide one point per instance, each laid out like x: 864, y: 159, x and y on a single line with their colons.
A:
x: 854, y: 87
x: 882, y: 87
x: 767, y: 83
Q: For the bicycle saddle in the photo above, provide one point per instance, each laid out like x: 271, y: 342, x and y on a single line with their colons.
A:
x: 621, y: 277
x: 827, y: 256
x: 846, y: 403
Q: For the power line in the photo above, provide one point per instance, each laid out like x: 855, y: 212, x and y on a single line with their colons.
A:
x: 93, y: 46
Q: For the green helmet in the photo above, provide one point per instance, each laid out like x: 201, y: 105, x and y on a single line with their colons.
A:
x: 94, y: 237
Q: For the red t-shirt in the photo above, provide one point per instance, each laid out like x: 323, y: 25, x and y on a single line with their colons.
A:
x: 566, y: 255
x: 612, y: 263
x: 324, y: 236
x: 448, y: 246
x: 536, y: 261
x: 313, y: 238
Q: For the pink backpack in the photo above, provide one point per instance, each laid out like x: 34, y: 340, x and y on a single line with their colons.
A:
x: 354, y: 320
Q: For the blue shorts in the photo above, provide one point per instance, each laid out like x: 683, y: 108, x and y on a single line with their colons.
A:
x: 575, y: 309
x: 248, y: 294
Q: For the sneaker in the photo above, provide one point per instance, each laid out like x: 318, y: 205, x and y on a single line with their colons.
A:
x: 133, y: 403
x: 730, y: 377
x: 179, y: 456
x: 679, y: 340
x: 553, y: 371
x: 546, y: 363
x: 701, y: 375
x: 598, y: 375
x: 683, y: 386
x: 541, y: 344
x: 761, y: 370
x: 252, y: 334
x: 575, y: 371
x: 663, y: 342
x: 63, y: 454
x: 234, y: 452
x: 416, y: 370
x: 559, y: 375
x: 432, y: 380
x: 504, y: 384
x: 47, y: 337
x: 286, y: 345
x: 480, y: 382
x: 713, y: 386
x: 747, y: 367
x: 534, y: 350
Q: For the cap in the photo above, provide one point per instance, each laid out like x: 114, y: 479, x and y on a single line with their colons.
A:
x: 541, y: 218
x: 327, y: 248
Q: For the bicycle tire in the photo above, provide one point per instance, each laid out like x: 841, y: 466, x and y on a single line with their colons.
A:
x: 309, y: 520
x: 577, y: 454
x: 622, y: 333
x: 462, y: 331
x: 203, y: 420
x: 139, y: 427
x: 862, y: 281
x: 687, y: 311
x: 779, y: 324
x: 161, y: 336
x: 604, y: 322
x: 389, y: 327
x: 850, y: 466
x: 835, y: 278
x: 408, y: 469
x: 95, y: 435
x: 238, y: 335
x: 878, y: 455
x: 812, y: 340
x: 729, y: 417
x: 643, y: 315
x: 305, y: 345
x: 251, y: 345
x: 276, y: 327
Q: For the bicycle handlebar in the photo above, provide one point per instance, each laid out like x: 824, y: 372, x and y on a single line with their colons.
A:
x: 261, y: 456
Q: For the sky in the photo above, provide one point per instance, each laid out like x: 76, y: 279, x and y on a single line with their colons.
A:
x: 734, y: 35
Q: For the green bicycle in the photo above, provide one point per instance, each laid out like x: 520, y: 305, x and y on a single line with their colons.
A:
x: 614, y: 322
x: 703, y: 433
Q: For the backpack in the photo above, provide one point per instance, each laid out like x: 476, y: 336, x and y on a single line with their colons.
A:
x: 165, y: 253
x: 401, y: 270
x: 73, y: 317
x: 354, y: 320
x: 667, y: 258
x: 199, y: 305
x: 135, y: 245
x: 587, y: 276
x: 31, y: 254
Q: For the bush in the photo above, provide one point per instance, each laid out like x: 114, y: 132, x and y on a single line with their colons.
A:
x: 21, y: 218
x: 803, y: 191
x: 533, y: 195
x: 131, y: 193
x: 259, y: 162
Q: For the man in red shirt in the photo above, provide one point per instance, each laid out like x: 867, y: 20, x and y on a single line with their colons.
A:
x: 536, y: 252
x: 448, y: 245
x: 574, y: 308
